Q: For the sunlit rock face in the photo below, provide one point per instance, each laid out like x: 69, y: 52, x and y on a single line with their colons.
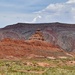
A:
x: 60, y: 34
x: 10, y: 48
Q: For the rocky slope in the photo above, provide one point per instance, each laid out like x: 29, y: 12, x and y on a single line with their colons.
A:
x: 31, y: 48
x: 59, y: 34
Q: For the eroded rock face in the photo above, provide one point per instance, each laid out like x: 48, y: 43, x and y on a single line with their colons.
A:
x: 59, y: 34
x: 20, y: 48
x: 38, y: 35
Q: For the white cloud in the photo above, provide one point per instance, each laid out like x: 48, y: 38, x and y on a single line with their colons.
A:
x: 35, y: 19
x: 61, y: 12
x: 71, y: 1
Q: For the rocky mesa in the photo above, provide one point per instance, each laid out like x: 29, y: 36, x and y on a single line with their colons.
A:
x: 50, y: 40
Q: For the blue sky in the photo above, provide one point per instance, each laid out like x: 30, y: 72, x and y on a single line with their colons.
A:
x: 36, y: 11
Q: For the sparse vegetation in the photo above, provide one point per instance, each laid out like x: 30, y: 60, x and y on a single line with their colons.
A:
x: 31, y: 67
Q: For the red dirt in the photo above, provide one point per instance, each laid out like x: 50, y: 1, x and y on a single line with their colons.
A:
x: 20, y: 48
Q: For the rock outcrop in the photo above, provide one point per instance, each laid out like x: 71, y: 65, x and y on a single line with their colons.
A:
x: 59, y: 34
x: 10, y: 48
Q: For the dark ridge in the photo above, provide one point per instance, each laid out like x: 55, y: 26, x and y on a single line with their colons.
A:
x: 55, y: 24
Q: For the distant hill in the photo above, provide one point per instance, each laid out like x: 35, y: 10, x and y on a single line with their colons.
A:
x: 60, y: 34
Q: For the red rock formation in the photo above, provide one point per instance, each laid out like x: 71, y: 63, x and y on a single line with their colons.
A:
x: 20, y: 48
x: 37, y: 36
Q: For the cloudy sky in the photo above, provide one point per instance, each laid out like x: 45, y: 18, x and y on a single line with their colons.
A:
x: 36, y: 11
